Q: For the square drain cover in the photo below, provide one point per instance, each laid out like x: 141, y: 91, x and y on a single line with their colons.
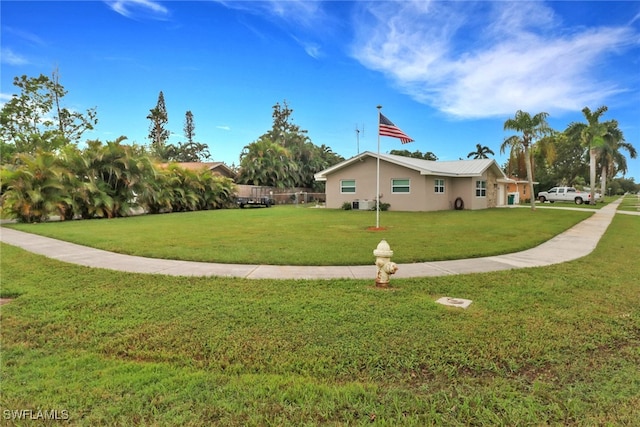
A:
x: 454, y: 302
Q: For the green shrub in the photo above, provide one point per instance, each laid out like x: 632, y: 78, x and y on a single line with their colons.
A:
x: 383, y: 207
x: 346, y: 206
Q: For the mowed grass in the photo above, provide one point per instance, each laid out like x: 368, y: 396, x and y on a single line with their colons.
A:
x: 558, y: 345
x: 631, y: 202
x: 307, y: 236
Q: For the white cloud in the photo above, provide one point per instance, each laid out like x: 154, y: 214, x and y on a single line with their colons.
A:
x: 139, y: 8
x: 299, y: 12
x: 30, y: 38
x: 11, y: 58
x: 301, y: 18
x: 223, y: 127
x: 312, y: 49
x: 473, y: 60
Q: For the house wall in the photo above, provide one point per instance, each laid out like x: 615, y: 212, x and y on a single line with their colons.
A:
x: 520, y: 187
x: 364, y: 173
x: 491, y: 199
x: 422, y: 195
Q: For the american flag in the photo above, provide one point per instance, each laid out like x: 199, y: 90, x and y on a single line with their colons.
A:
x: 387, y: 128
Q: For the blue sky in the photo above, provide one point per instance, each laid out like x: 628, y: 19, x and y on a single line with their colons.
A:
x: 447, y: 73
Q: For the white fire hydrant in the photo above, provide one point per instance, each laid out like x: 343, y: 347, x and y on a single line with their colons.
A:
x: 383, y: 254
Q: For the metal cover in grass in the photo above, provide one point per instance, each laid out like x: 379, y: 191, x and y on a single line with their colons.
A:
x: 455, y: 302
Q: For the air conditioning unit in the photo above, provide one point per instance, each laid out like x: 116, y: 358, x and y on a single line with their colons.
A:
x: 367, y: 205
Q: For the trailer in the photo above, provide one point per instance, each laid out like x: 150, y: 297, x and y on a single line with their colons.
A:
x: 260, y: 196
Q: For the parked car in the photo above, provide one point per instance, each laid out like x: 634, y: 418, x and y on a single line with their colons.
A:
x: 566, y: 194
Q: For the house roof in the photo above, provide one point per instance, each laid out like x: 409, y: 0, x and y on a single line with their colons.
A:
x: 454, y: 168
x: 212, y: 166
x: 516, y: 180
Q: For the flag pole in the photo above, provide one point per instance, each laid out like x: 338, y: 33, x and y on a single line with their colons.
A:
x: 379, y: 107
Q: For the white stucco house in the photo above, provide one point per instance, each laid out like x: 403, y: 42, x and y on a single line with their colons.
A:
x: 409, y: 184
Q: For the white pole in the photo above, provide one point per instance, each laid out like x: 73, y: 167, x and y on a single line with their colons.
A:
x: 378, y: 174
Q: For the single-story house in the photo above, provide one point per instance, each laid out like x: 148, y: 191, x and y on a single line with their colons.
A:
x: 216, y: 168
x: 409, y: 184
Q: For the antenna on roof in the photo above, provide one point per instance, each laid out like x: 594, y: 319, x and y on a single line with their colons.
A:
x: 358, y: 136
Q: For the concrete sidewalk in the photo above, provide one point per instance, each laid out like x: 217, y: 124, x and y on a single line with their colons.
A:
x: 578, y: 241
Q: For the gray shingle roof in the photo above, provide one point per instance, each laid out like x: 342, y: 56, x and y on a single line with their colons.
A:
x: 461, y: 168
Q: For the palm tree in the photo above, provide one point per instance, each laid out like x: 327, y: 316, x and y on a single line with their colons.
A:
x: 217, y: 190
x: 591, y: 135
x: 156, y: 195
x: 34, y: 187
x: 267, y: 163
x: 481, y: 152
x: 532, y: 128
x: 612, y: 160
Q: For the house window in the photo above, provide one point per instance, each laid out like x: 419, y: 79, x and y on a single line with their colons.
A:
x: 439, y: 186
x: 400, y: 186
x: 481, y: 188
x: 347, y: 186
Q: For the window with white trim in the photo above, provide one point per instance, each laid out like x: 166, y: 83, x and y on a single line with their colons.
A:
x: 439, y: 186
x: 400, y: 186
x: 347, y: 186
x: 481, y: 188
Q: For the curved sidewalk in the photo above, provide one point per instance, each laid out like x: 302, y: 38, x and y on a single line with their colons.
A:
x: 576, y: 242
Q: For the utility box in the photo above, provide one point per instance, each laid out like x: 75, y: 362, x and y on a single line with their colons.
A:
x: 367, y: 205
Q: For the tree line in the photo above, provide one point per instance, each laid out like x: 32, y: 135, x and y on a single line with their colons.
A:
x: 572, y: 157
x: 40, y: 157
x: 283, y: 157
x: 105, y: 180
x: 186, y: 151
x: 45, y: 173
x: 560, y: 158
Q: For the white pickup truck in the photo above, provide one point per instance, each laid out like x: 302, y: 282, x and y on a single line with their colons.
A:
x: 566, y: 194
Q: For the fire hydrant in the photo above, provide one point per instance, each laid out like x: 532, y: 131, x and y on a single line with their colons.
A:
x: 383, y: 254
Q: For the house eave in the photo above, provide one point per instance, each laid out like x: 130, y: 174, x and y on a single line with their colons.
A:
x: 410, y: 163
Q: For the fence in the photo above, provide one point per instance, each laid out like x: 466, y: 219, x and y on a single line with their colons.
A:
x: 283, y: 196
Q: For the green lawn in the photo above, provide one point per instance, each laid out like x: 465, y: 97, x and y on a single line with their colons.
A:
x: 544, y: 346
x: 631, y: 202
x: 309, y: 236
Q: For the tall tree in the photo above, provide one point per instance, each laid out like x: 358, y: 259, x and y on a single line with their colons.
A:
x: 264, y: 162
x: 189, y: 127
x: 568, y: 169
x: 515, y: 166
x: 295, y: 165
x: 190, y: 151
x: 591, y: 135
x: 35, y: 118
x: 283, y: 124
x: 612, y: 160
x: 482, y: 152
x: 158, y: 135
x: 532, y: 129
x: 71, y: 124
